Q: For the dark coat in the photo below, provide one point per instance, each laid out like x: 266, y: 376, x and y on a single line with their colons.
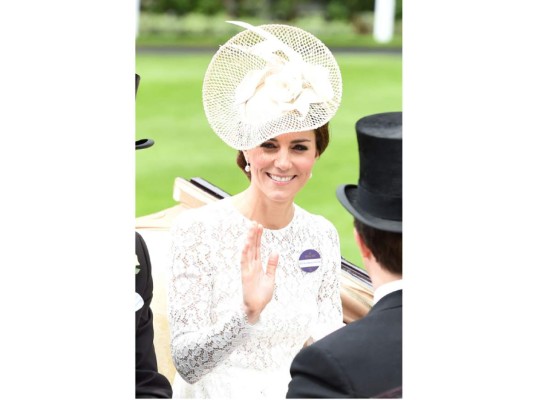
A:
x: 361, y: 360
x: 148, y: 382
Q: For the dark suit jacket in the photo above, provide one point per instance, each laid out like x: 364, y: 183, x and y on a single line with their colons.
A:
x: 148, y: 382
x: 361, y: 360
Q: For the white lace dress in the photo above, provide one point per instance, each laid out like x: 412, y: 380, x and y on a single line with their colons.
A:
x: 216, y: 352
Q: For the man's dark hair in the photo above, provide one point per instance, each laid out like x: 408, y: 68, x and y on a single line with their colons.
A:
x: 386, y: 246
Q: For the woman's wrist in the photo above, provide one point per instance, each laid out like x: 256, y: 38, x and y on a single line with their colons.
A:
x: 251, y: 316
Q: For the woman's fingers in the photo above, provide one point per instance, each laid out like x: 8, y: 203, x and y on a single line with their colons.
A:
x: 272, y: 265
x: 257, y: 286
x: 247, y: 251
x: 245, y: 258
x: 258, y: 234
x: 251, y: 252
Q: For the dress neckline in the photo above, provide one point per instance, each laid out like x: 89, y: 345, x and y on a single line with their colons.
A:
x: 248, y: 221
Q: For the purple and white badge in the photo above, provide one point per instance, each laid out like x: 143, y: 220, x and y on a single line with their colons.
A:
x: 309, y: 260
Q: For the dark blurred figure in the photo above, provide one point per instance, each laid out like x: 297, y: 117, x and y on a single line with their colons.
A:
x: 148, y: 382
x: 395, y: 393
x: 364, y: 358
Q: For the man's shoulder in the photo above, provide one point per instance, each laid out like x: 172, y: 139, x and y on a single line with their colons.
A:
x: 141, y: 250
x: 337, y: 339
x: 358, y: 332
x: 390, y: 301
x: 139, y: 241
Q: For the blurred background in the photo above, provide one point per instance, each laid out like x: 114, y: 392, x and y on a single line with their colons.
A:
x: 176, y: 40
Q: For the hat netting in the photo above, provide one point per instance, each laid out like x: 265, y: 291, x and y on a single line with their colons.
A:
x: 248, y: 53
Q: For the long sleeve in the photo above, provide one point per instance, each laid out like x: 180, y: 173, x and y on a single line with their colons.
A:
x: 200, y: 340
x: 329, y: 298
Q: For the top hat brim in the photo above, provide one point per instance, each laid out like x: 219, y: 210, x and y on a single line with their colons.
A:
x: 346, y: 194
x: 143, y: 144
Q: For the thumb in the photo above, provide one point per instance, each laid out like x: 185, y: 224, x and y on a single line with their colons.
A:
x: 272, y: 265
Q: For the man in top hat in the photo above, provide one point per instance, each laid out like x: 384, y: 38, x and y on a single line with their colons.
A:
x: 148, y: 382
x: 364, y: 358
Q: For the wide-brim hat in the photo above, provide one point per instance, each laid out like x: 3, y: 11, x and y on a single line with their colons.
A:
x: 141, y: 143
x: 269, y: 80
x: 377, y: 199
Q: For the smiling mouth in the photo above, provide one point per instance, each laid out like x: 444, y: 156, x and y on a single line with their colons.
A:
x: 281, y: 179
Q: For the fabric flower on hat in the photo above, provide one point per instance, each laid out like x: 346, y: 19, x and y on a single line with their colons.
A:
x: 280, y: 89
x: 285, y: 85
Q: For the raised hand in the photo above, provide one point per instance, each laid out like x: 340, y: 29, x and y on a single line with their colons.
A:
x: 257, y: 286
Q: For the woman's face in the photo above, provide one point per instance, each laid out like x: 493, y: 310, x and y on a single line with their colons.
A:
x: 281, y: 166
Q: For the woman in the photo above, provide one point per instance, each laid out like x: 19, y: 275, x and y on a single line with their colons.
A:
x: 254, y: 276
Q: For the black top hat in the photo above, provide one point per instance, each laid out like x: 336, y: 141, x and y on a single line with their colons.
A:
x: 377, y: 200
x: 141, y: 143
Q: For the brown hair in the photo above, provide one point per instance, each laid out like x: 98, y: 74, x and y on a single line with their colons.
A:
x: 385, y: 246
x: 322, y: 141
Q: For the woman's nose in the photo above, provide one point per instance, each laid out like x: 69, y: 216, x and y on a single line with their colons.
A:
x: 283, y: 160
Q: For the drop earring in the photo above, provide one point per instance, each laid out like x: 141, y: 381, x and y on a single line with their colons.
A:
x: 247, y: 168
x: 310, y: 175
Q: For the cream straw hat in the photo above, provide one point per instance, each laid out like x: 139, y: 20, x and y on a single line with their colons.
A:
x: 270, y: 80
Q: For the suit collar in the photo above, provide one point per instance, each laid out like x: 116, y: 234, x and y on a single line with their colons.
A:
x: 387, y: 288
x: 391, y: 300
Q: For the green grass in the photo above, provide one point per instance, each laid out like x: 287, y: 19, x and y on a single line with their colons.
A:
x: 170, y: 111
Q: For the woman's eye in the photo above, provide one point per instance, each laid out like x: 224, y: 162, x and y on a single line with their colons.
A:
x: 300, y: 147
x: 268, y: 145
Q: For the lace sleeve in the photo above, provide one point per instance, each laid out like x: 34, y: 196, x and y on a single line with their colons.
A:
x: 197, y: 343
x: 329, y: 297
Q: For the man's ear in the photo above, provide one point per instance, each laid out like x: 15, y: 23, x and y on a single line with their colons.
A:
x: 365, y: 251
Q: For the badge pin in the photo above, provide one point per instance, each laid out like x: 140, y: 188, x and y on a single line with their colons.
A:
x: 309, y: 260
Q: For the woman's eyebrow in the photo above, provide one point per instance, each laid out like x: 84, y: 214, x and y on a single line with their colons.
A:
x: 300, y: 140
x: 292, y: 141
